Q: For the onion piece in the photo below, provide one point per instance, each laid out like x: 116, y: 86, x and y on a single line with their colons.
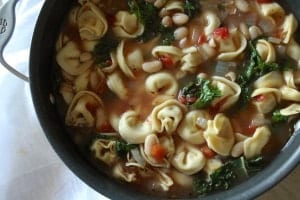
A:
x: 223, y: 68
x: 137, y: 156
x: 259, y: 120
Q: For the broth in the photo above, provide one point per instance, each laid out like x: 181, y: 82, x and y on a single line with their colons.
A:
x: 205, y: 87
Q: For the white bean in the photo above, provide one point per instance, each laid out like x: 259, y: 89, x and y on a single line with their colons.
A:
x: 180, y: 18
x: 183, y: 43
x: 180, y: 33
x: 242, y: 5
x: 254, y: 32
x: 166, y: 21
x: 152, y: 66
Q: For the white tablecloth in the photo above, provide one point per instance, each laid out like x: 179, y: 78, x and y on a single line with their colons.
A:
x: 29, y: 167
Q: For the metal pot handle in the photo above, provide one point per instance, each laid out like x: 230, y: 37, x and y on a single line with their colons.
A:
x: 7, y: 25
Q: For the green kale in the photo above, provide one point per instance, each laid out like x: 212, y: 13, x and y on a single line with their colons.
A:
x: 123, y: 148
x: 202, y: 91
x: 191, y: 7
x: 253, y: 68
x: 103, y: 49
x: 148, y: 15
x: 227, y: 175
x: 277, y: 117
x: 166, y: 35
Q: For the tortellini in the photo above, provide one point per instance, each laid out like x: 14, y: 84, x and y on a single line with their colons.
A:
x: 85, y: 110
x: 211, y: 21
x: 166, y: 142
x: 167, y: 116
x: 188, y: 159
x: 127, y: 25
x: 288, y: 27
x: 266, y: 99
x: 266, y: 51
x: 293, y: 50
x: 129, y: 61
x: 193, y: 125
x: 272, y: 10
x: 121, y: 172
x: 290, y: 94
x: 174, y: 52
x: 116, y: 84
x: 91, y: 79
x: 104, y: 150
x: 69, y: 58
x: 191, y: 59
x: 91, y: 22
x: 230, y: 93
x: 219, y: 135
x: 132, y: 129
x: 254, y: 145
x: 272, y: 79
x: 161, y: 83
x: 292, y: 109
x: 232, y: 47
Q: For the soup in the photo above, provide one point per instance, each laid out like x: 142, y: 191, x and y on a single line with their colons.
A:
x: 179, y: 98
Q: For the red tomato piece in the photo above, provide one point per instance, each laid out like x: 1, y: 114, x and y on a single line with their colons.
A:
x: 208, y: 153
x: 250, y: 130
x: 221, y: 32
x: 106, y: 127
x: 182, y: 99
x: 259, y: 98
x: 202, y: 38
x: 264, y: 1
x: 166, y: 61
x: 158, y: 152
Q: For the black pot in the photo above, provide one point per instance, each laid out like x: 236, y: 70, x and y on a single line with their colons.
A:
x: 40, y: 76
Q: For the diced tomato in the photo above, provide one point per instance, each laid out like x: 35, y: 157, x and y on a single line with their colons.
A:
x: 110, y: 19
x: 259, y: 98
x: 221, y: 32
x: 264, y: 1
x: 107, y: 128
x: 202, y: 38
x: 208, y: 153
x: 158, y: 152
x: 216, y: 108
x: 250, y: 130
x: 91, y: 107
x: 191, y: 99
x: 182, y: 99
x: 278, y: 33
x: 166, y: 61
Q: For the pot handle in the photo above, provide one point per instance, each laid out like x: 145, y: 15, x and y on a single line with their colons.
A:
x: 7, y: 25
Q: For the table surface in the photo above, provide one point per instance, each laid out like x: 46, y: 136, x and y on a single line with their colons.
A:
x: 25, y: 154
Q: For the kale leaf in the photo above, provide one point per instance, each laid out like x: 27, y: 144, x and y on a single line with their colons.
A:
x: 227, y: 175
x: 191, y: 7
x: 253, y: 68
x: 202, y: 91
x: 277, y: 117
x: 123, y: 148
x: 148, y: 15
x: 103, y: 49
